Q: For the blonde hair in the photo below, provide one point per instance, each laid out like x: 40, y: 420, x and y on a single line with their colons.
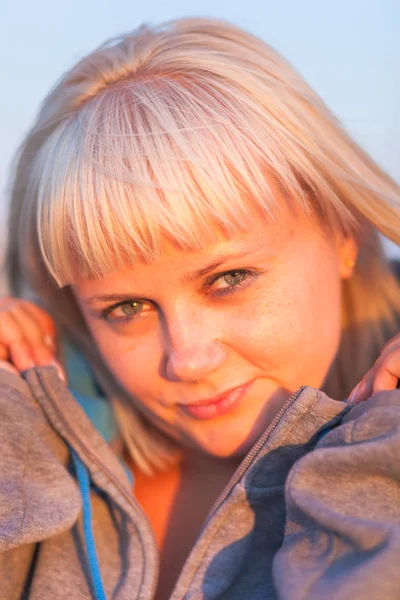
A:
x: 171, y: 131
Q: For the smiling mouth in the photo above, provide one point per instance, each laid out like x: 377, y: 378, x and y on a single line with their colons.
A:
x: 219, y: 405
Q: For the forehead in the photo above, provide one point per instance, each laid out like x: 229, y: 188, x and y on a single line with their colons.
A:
x: 260, y: 239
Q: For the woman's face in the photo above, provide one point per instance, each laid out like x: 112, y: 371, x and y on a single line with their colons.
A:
x: 256, y: 316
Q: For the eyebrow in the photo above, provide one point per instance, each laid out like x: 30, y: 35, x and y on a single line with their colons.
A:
x: 215, y: 264
x: 186, y: 277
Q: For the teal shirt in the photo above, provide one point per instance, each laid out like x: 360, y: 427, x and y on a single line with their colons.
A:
x: 85, y: 389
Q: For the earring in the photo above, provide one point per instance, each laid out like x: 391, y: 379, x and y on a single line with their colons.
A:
x: 350, y: 263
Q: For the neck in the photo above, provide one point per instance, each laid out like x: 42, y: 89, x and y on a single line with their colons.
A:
x: 198, y: 465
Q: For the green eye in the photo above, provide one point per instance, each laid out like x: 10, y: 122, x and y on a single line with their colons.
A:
x: 231, y: 281
x: 130, y: 309
x: 234, y: 277
x: 125, y: 311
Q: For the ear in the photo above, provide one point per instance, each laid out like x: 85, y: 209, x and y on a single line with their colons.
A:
x: 347, y: 248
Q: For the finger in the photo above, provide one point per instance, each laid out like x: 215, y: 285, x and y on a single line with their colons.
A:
x: 37, y: 324
x: 390, y: 360
x: 21, y: 356
x: 25, y: 357
x: 60, y: 371
x: 42, y: 317
x: 387, y: 373
x: 32, y: 331
x: 352, y: 397
x: 392, y: 350
x: 43, y: 357
x: 10, y: 331
x: 4, y: 354
x: 394, y: 341
x: 384, y: 375
x: 362, y: 390
x: 384, y: 381
x: 8, y: 367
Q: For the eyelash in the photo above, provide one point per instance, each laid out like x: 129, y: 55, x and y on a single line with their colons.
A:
x: 231, y: 288
x: 249, y: 275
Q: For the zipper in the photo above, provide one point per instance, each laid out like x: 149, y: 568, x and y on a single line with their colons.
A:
x: 128, y: 497
x: 249, y: 458
x: 244, y: 465
x: 242, y: 468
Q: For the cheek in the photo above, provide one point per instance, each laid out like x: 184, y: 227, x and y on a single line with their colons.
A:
x: 277, y: 327
x: 314, y: 324
x: 133, y: 361
x: 296, y: 332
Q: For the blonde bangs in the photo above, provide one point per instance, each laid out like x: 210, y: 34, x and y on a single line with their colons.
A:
x: 142, y: 160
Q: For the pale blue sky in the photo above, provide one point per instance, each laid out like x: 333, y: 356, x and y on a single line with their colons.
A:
x: 347, y: 50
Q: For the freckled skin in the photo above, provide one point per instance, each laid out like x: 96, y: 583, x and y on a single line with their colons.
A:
x: 281, y: 330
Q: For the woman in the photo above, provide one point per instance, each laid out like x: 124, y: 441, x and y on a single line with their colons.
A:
x: 206, y: 235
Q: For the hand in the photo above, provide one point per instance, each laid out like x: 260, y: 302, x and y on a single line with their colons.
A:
x: 27, y: 336
x: 384, y: 375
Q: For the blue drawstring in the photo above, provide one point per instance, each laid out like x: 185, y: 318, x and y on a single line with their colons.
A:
x: 84, y: 485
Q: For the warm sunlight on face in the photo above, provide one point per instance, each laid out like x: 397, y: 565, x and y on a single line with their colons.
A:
x: 256, y: 316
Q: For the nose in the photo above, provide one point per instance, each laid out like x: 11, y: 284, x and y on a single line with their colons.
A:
x: 192, y: 350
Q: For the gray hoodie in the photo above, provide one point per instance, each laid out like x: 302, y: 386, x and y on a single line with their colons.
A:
x: 306, y: 515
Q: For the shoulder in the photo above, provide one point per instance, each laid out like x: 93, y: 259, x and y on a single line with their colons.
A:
x: 39, y: 497
x: 344, y: 495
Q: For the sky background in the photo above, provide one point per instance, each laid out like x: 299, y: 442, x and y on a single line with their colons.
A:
x: 347, y: 50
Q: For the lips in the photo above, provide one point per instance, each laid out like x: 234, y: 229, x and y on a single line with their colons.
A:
x: 215, y: 399
x: 218, y: 405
